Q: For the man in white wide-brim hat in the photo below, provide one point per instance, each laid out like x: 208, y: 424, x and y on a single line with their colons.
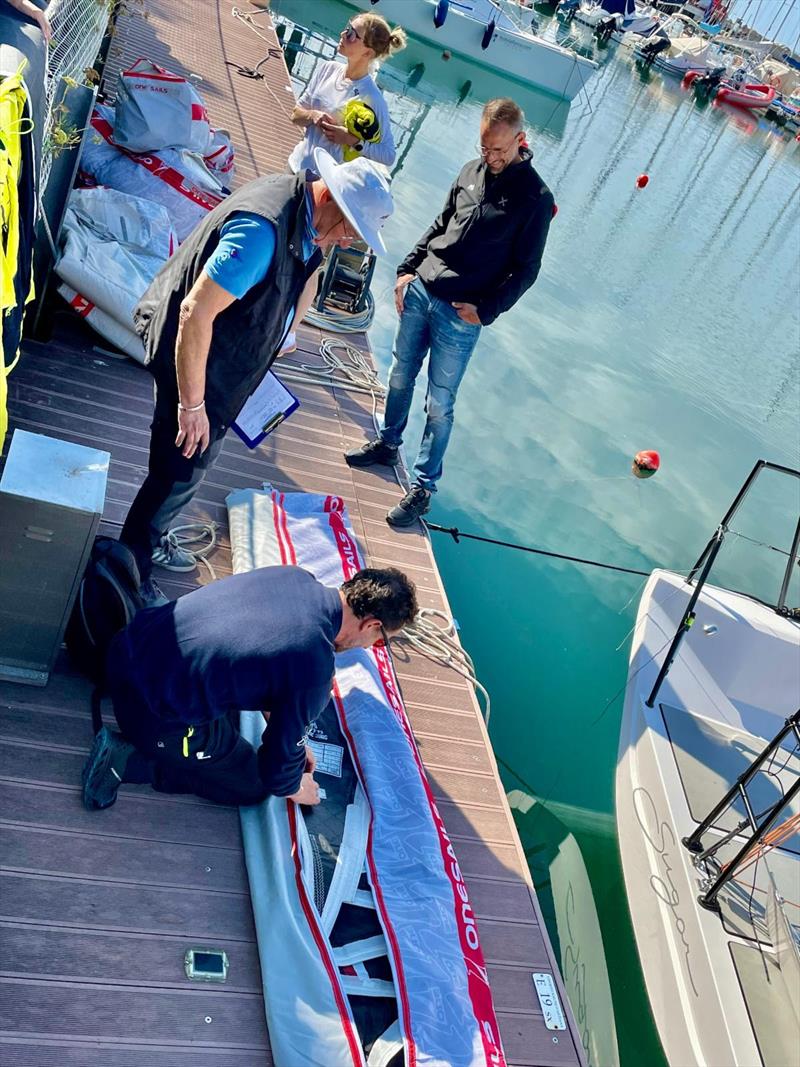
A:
x: 214, y: 319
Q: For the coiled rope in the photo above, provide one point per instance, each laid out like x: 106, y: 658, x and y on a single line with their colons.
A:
x: 339, y: 321
x: 343, y: 365
x: 437, y: 641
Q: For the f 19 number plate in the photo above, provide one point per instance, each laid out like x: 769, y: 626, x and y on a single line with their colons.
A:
x: 548, y: 999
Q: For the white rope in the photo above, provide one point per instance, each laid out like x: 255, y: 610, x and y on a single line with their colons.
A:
x: 349, y: 370
x: 438, y: 641
x: 342, y: 365
x: 196, y: 538
x: 338, y: 321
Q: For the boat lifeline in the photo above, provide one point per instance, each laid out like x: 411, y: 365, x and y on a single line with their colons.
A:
x: 482, y: 31
x: 707, y: 790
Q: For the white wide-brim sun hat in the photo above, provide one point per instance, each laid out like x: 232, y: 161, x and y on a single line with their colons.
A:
x: 361, y: 191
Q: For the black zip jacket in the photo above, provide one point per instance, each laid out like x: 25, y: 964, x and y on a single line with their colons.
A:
x: 486, y: 246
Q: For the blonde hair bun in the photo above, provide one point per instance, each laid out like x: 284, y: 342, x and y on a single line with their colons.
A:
x: 398, y: 39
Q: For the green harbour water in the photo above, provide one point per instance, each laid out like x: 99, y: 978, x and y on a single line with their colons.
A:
x: 664, y: 318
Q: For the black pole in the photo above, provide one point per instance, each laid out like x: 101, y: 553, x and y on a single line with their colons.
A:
x: 761, y: 463
x: 693, y: 842
x: 689, y: 616
x: 787, y: 576
x: 709, y: 898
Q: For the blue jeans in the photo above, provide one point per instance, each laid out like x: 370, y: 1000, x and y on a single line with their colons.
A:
x: 427, y: 324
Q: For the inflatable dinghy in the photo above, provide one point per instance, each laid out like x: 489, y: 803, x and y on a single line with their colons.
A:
x: 368, y: 944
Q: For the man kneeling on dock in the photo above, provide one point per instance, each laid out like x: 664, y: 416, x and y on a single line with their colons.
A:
x: 214, y: 319
x: 180, y: 673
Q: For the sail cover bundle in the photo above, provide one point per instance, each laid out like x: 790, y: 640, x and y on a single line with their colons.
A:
x: 369, y: 950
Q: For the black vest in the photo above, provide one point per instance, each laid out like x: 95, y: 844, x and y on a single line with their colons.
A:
x: 246, y: 335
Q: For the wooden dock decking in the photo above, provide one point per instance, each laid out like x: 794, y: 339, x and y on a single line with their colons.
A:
x: 97, y: 909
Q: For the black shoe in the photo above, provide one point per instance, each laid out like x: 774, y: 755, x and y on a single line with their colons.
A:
x: 151, y: 594
x: 415, y: 503
x: 104, y: 769
x: 372, y: 452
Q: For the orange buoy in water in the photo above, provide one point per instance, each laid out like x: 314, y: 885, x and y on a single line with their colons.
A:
x: 642, y: 180
x: 645, y: 464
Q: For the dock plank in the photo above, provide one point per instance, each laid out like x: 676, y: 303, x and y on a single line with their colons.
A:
x: 83, y: 895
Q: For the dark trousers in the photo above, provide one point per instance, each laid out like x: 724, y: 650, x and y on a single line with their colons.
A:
x: 171, y: 482
x: 211, y: 759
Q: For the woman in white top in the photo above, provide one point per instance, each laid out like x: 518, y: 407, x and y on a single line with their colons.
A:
x: 364, y: 40
x: 327, y: 104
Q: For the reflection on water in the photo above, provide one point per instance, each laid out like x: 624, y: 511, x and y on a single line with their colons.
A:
x: 664, y: 318
x: 566, y: 898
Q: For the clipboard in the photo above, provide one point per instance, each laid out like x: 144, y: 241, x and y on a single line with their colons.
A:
x: 270, y: 404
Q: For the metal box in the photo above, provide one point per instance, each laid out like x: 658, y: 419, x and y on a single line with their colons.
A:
x: 51, y: 503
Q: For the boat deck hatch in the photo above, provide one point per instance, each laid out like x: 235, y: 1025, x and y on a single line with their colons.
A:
x: 710, y: 757
x: 761, y: 983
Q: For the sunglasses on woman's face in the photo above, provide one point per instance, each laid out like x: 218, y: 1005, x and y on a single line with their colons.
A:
x: 351, y: 33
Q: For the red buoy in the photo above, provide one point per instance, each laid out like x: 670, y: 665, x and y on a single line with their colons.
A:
x: 642, y: 180
x: 555, y: 211
x: 645, y: 464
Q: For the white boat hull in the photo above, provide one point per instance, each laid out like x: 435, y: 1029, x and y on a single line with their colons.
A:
x: 542, y: 64
x: 742, y: 676
x: 639, y: 25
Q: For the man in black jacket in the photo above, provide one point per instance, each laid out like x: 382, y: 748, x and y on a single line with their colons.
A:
x: 473, y: 263
x: 213, y: 320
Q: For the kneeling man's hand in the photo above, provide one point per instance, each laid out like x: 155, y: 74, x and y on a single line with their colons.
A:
x: 308, y: 793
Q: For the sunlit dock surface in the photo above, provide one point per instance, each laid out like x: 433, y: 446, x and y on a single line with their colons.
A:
x: 98, y: 908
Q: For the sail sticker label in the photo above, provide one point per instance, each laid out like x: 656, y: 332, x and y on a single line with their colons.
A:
x: 548, y: 1000
x: 329, y: 757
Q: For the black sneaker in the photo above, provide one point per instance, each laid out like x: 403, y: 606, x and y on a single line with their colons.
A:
x: 372, y: 452
x: 151, y: 594
x: 415, y: 503
x: 104, y: 769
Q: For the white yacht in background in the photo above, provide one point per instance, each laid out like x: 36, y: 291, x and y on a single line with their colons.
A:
x: 708, y: 812
x: 486, y: 33
x: 680, y: 55
x: 624, y: 13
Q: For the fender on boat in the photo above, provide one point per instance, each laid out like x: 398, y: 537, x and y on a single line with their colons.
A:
x: 488, y: 34
x: 691, y: 78
x: 440, y: 13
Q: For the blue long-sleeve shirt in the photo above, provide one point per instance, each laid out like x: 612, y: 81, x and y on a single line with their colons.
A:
x: 262, y: 640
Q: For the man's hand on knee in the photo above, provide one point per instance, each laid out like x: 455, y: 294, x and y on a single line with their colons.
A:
x: 308, y: 793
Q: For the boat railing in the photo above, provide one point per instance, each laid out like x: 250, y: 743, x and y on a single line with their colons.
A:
x: 706, y: 560
x: 763, y: 825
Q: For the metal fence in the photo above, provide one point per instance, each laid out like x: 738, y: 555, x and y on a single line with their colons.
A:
x: 79, y: 27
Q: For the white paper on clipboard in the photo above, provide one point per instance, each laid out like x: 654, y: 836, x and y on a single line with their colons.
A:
x: 265, y: 408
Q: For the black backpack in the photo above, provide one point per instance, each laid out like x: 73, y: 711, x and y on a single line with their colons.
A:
x: 108, y: 598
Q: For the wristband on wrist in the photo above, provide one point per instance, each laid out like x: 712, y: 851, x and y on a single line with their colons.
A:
x: 197, y: 407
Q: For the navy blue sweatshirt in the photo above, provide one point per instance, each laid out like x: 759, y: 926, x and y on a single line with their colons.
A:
x: 261, y: 641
